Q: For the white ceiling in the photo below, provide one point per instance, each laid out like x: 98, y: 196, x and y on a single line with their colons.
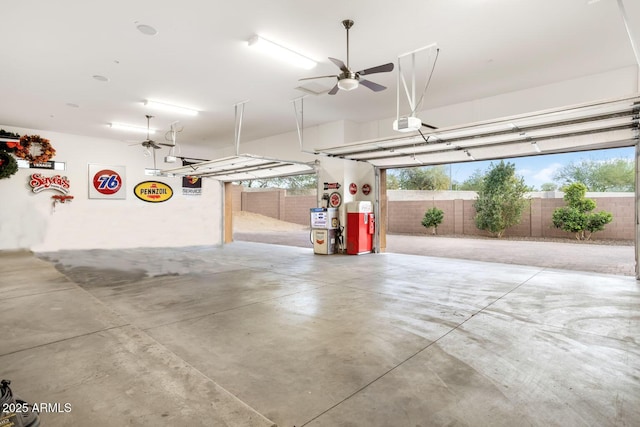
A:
x: 51, y: 49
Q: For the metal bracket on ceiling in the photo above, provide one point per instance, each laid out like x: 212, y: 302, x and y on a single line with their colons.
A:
x: 238, y: 124
x: 410, y: 92
x: 625, y: 19
x: 300, y: 122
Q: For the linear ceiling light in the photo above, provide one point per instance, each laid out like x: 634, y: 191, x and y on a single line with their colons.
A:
x: 131, y: 128
x: 172, y: 108
x: 282, y: 53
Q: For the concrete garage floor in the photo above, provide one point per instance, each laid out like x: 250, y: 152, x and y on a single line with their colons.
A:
x: 200, y: 336
x: 570, y: 255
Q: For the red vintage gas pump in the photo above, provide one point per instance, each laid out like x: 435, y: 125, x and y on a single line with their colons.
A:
x: 360, y: 227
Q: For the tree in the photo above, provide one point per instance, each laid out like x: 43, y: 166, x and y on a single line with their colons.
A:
x: 473, y: 183
x: 577, y: 217
x: 292, y: 183
x: 392, y: 181
x: 609, y: 175
x: 548, y: 186
x: 424, y: 178
x: 500, y: 199
x: 432, y: 219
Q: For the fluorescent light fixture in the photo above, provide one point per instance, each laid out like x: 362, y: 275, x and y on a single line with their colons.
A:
x: 347, y: 84
x: 131, y: 128
x: 282, y: 53
x: 171, y: 108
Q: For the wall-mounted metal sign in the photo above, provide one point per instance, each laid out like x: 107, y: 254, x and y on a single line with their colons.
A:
x: 39, y: 182
x: 191, y: 186
x: 153, y: 191
x: 107, y: 182
x: 331, y: 185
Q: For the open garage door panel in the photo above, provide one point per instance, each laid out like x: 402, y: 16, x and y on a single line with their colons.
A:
x: 242, y: 167
x: 597, y: 125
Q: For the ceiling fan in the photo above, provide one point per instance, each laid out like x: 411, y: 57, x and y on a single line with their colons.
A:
x: 347, y: 79
x: 149, y: 143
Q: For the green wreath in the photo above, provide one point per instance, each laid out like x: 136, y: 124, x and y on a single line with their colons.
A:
x: 8, y: 165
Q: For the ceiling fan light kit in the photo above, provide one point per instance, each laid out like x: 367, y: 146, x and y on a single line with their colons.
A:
x: 348, y: 84
x: 157, y: 105
x: 282, y: 53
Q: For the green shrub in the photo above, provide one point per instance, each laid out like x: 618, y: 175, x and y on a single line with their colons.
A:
x: 577, y: 217
x: 432, y: 219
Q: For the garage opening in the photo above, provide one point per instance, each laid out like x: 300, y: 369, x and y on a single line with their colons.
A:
x: 446, y: 195
x: 274, y: 210
x: 246, y: 168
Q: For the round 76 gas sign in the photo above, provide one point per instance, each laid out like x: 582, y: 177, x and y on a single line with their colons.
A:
x: 106, y: 182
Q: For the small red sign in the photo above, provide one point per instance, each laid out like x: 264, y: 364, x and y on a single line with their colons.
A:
x: 366, y: 189
x: 353, y: 188
x: 331, y: 185
x: 335, y: 200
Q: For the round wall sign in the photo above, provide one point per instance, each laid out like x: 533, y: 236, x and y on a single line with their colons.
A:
x: 353, y: 188
x: 366, y: 189
x: 335, y: 200
x: 107, y: 182
x: 153, y: 191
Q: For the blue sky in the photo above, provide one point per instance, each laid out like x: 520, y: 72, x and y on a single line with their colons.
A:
x: 536, y: 170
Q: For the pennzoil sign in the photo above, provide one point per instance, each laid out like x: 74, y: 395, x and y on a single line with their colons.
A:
x: 153, y: 191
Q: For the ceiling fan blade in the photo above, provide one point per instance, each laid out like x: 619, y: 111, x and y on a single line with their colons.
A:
x: 379, y: 69
x: 318, y: 77
x: 340, y: 64
x: 371, y: 85
x: 334, y: 90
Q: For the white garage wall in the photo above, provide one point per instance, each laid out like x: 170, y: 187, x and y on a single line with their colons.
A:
x: 28, y: 222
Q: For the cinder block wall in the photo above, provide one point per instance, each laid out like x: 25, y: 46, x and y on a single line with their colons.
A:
x: 296, y: 208
x: 276, y: 204
x: 406, y: 217
x: 268, y: 203
x: 237, y: 197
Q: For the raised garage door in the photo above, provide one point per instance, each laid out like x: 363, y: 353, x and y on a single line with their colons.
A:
x: 242, y: 167
x: 598, y: 125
